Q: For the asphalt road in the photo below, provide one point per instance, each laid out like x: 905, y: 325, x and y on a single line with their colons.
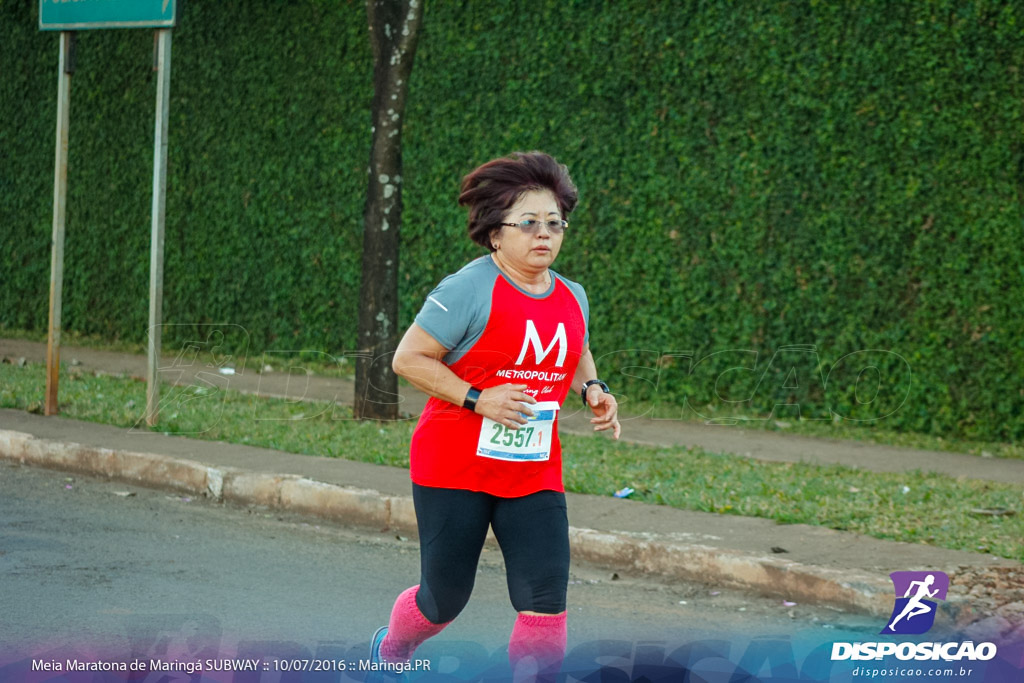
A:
x: 90, y: 563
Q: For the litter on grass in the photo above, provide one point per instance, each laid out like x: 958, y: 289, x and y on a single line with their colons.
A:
x: 993, y: 512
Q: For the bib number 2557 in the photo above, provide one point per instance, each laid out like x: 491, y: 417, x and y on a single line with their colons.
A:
x: 530, y: 443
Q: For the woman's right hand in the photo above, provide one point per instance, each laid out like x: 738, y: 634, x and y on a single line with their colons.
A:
x: 504, y: 404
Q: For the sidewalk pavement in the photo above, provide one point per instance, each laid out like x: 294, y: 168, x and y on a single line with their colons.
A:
x: 817, y: 565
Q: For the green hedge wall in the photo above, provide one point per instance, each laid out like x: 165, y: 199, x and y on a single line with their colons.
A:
x: 813, y: 203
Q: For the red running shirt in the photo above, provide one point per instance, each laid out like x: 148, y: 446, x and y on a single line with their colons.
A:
x: 496, y: 334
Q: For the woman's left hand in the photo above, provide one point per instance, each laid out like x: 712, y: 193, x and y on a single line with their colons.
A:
x: 606, y: 411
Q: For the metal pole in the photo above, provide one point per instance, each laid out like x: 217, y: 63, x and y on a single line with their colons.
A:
x: 156, y: 261
x: 60, y: 192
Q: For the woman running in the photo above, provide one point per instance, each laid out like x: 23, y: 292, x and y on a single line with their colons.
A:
x: 498, y: 346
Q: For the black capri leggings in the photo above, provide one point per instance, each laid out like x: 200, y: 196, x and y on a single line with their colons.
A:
x: 533, y: 532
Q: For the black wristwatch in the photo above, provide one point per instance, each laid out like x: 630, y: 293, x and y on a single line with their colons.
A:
x: 471, y: 398
x: 588, y: 383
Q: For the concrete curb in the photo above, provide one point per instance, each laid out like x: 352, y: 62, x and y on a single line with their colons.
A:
x: 368, y: 508
x: 146, y: 469
x: 798, y: 582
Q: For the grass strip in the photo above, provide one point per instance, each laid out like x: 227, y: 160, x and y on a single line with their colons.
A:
x: 866, y: 432
x: 911, y: 506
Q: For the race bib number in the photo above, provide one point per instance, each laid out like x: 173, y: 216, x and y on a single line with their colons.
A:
x: 530, y: 443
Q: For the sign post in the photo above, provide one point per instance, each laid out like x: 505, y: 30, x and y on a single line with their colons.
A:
x: 60, y: 193
x: 67, y: 17
x: 156, y: 260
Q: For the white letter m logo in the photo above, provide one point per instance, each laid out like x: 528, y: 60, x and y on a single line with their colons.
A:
x: 532, y: 338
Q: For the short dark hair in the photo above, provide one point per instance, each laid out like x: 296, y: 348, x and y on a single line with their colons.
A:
x: 492, y: 189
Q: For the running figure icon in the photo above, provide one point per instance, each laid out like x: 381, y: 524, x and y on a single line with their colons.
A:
x: 917, y: 594
x: 915, y: 606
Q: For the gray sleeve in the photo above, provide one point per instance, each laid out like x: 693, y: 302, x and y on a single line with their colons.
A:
x: 581, y: 298
x: 456, y: 311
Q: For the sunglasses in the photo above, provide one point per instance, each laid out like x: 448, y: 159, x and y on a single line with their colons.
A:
x: 531, y: 226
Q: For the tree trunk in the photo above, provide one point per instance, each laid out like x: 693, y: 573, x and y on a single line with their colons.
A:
x: 394, y: 28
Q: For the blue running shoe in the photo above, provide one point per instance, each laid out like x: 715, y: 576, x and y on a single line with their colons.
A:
x: 378, y: 673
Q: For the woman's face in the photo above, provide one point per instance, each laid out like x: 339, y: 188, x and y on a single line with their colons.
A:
x: 529, y: 253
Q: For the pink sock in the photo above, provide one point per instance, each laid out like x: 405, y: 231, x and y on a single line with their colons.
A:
x: 407, y: 628
x: 537, y: 645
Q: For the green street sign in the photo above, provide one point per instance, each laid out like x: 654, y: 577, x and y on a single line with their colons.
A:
x: 79, y: 15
